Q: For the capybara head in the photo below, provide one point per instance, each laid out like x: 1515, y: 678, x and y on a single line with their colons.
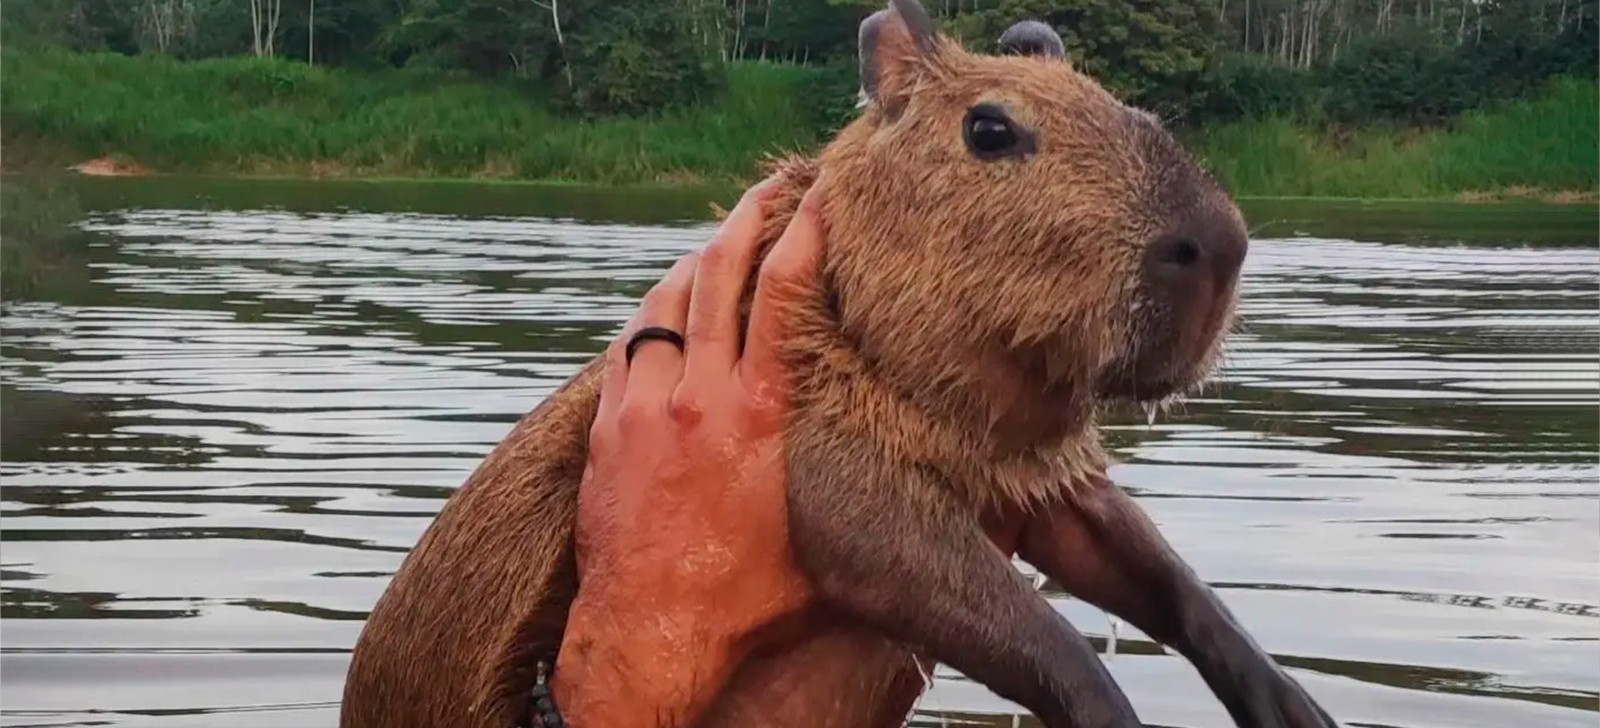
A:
x: 1012, y: 243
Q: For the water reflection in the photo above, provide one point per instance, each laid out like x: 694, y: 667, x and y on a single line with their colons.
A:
x: 224, y: 428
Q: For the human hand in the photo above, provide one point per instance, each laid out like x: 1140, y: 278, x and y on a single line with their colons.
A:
x: 682, y: 532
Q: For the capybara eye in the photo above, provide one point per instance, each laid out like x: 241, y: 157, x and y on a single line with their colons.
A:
x: 991, y: 134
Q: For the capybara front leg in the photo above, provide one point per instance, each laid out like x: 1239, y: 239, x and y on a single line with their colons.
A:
x: 1102, y: 548
x: 901, y: 554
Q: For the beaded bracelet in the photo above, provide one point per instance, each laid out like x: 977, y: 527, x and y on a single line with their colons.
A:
x: 543, y: 712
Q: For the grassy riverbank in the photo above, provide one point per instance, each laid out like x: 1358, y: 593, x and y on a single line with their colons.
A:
x: 254, y: 116
x: 1545, y: 146
x: 261, y: 117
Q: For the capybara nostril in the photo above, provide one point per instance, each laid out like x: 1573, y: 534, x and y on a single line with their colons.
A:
x: 1206, y: 250
x: 1182, y: 252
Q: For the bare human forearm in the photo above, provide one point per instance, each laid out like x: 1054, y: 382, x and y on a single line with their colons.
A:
x: 681, y: 539
x: 663, y: 673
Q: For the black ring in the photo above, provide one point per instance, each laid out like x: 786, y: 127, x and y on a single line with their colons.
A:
x: 652, y: 332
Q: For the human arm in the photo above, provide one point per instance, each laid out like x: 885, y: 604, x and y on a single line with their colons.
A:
x: 682, y: 541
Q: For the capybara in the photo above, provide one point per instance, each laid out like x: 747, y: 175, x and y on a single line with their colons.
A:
x: 1010, y: 248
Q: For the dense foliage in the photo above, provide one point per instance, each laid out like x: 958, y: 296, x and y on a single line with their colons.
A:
x: 1190, y: 60
x: 261, y: 115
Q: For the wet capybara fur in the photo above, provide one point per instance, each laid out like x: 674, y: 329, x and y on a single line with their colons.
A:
x: 1009, y: 248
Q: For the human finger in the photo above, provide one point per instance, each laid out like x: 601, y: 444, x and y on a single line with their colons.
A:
x: 657, y: 365
x: 614, y: 374
x: 785, y: 274
x: 719, y: 282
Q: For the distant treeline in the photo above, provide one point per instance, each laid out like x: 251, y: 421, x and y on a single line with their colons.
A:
x: 1193, y: 61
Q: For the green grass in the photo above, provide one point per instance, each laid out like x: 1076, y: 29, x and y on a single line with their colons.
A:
x: 1545, y: 144
x: 247, y: 116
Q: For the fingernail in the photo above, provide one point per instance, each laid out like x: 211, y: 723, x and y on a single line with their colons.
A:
x: 764, y: 189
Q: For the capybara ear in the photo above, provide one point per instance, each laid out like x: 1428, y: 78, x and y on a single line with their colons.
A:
x: 1032, y: 38
x: 895, y: 43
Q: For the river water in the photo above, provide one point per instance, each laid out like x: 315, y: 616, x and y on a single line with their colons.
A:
x: 231, y: 407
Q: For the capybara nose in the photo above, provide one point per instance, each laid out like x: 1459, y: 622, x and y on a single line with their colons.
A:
x: 1208, y: 248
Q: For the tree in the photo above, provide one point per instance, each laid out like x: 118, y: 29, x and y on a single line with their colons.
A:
x: 264, y: 15
x: 554, y: 6
x: 638, y: 58
x: 1150, y: 52
x: 166, y: 23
